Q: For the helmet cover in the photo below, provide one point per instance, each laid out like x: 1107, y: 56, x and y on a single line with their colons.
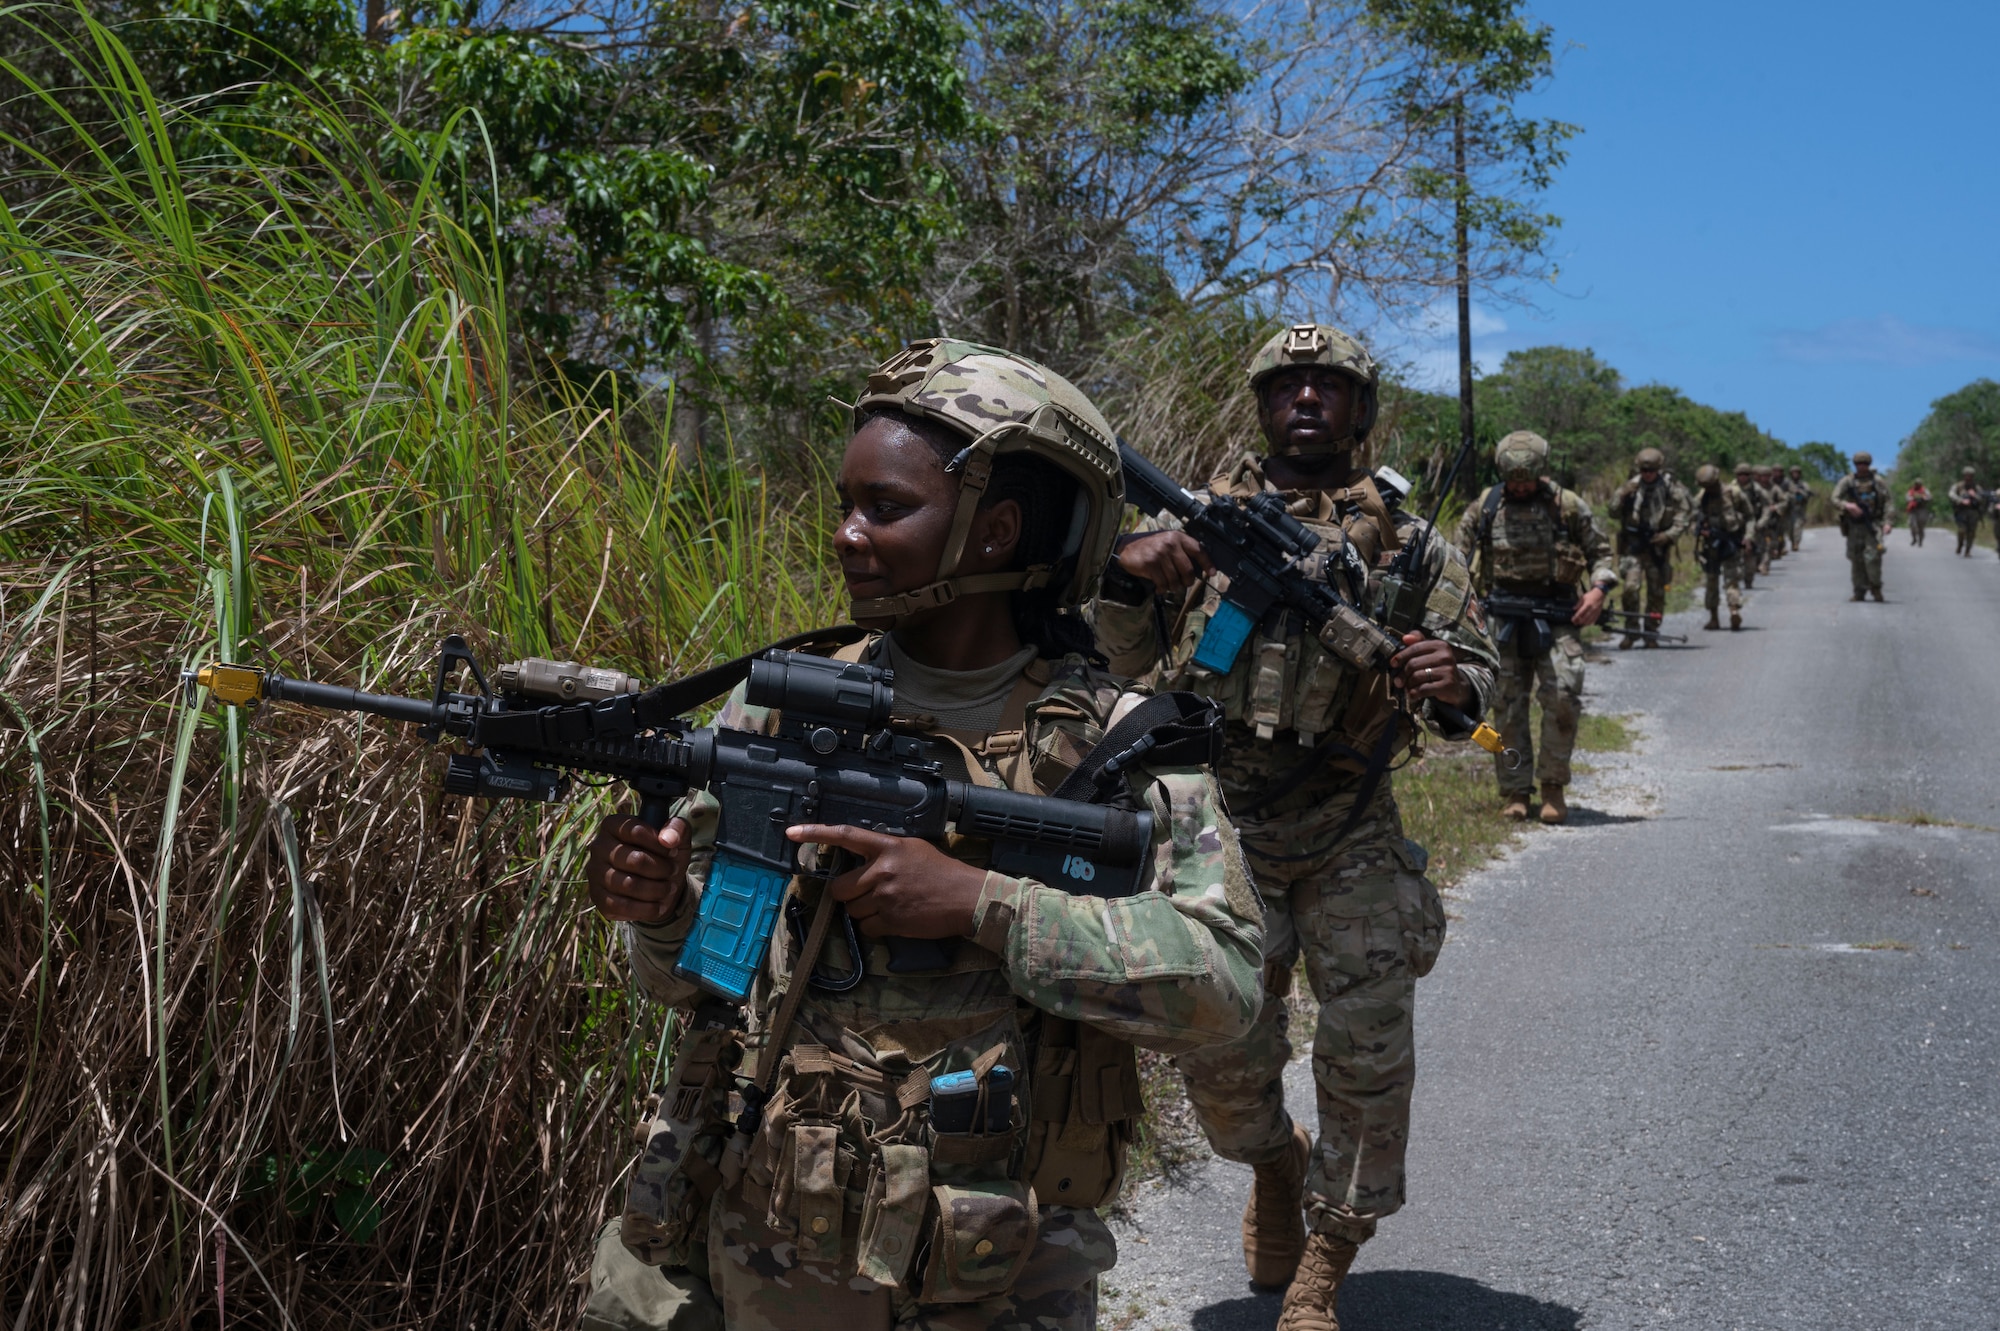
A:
x: 1001, y: 403
x: 1521, y: 455
x: 1321, y: 344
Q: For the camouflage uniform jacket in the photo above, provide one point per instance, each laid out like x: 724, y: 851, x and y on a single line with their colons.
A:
x: 1170, y: 968
x: 1777, y: 496
x: 1965, y: 498
x: 1545, y: 545
x: 1801, y: 495
x: 1726, y: 507
x: 1286, y: 691
x: 1760, y: 504
x: 1873, y: 496
x: 1662, y: 508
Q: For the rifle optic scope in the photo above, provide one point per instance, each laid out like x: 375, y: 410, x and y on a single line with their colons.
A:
x: 1297, y: 539
x: 841, y: 693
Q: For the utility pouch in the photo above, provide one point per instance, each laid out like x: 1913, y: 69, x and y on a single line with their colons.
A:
x: 892, y: 1214
x: 1571, y: 564
x: 1086, y: 1094
x: 816, y: 1190
x: 982, y: 1237
x: 1421, y: 908
x: 676, y: 1174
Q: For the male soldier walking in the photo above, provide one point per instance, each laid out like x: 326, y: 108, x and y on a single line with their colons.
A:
x: 1651, y: 510
x: 1753, y: 535
x: 1863, y: 502
x: 1917, y: 503
x: 1771, y: 481
x: 1531, y: 542
x: 1721, y: 516
x: 1305, y: 769
x: 1968, y: 506
x: 1801, y: 496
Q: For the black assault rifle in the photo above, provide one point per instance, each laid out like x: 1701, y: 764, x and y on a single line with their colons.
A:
x: 1260, y: 548
x: 835, y: 759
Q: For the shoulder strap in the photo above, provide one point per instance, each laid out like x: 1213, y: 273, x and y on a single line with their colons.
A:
x: 1166, y: 730
x: 1489, y: 508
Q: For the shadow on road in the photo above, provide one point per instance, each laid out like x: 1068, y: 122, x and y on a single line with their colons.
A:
x: 1404, y: 1301
x: 1583, y: 816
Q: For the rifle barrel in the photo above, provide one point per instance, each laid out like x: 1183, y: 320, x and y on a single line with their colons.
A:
x: 341, y: 699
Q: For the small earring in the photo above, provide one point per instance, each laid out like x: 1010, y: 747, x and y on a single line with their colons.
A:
x: 989, y: 549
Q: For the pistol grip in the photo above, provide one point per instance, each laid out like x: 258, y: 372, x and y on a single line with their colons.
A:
x: 732, y: 929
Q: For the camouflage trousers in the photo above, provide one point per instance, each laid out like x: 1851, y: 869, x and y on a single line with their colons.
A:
x: 1864, y: 558
x: 1640, y: 573
x: 1798, y: 527
x: 763, y: 1284
x: 1555, y: 680
x: 1968, y: 532
x: 1918, y: 521
x: 1368, y: 924
x: 1727, y: 575
x: 628, y: 1295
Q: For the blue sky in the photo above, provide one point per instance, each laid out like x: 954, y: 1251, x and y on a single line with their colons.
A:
x: 1791, y: 210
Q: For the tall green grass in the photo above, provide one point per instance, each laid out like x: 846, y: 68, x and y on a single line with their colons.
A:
x: 287, y: 1036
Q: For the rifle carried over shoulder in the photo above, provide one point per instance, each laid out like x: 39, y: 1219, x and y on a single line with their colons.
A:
x: 835, y: 759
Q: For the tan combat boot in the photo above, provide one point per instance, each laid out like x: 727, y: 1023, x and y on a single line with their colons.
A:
x: 1714, y: 620
x: 1553, y: 809
x: 1515, y: 806
x: 1625, y: 643
x: 1735, y: 620
x: 1311, y: 1302
x: 1875, y: 592
x: 1274, y: 1223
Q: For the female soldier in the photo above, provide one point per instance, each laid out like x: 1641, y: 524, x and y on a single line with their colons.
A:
x: 979, y: 496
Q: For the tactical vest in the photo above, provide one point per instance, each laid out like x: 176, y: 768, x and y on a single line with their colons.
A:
x: 846, y: 1157
x: 1534, y: 552
x: 1284, y: 681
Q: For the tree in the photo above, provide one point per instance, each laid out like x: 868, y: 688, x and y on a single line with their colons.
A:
x: 1563, y: 394
x: 1962, y: 429
x: 1470, y: 61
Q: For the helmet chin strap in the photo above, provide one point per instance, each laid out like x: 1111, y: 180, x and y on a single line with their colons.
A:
x: 975, y: 461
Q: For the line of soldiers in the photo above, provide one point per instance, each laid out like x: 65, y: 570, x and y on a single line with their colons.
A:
x: 978, y: 535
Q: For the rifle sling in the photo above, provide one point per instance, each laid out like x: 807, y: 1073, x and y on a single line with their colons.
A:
x: 1176, y: 729
x: 665, y: 702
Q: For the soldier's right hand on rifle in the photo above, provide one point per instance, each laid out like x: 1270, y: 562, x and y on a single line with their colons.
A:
x: 638, y: 873
x: 1171, y: 560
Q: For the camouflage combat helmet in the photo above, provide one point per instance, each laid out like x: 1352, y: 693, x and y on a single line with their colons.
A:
x: 1001, y: 403
x: 1864, y: 459
x: 1650, y: 459
x: 1520, y: 456
x: 1320, y: 344
x: 1797, y: 470
x: 1967, y: 474
x: 1742, y: 469
x: 1707, y: 474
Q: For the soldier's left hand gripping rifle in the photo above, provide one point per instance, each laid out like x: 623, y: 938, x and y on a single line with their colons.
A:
x: 834, y: 759
x: 1259, y: 546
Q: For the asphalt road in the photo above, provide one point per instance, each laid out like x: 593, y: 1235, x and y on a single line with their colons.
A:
x: 1721, y: 1054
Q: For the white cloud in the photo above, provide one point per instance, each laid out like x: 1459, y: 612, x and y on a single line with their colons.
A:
x: 1885, y: 340
x: 1426, y: 350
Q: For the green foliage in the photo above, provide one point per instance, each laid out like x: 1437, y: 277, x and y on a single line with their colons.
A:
x: 1472, y: 60
x: 257, y: 404
x: 1961, y: 430
x: 1594, y: 424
